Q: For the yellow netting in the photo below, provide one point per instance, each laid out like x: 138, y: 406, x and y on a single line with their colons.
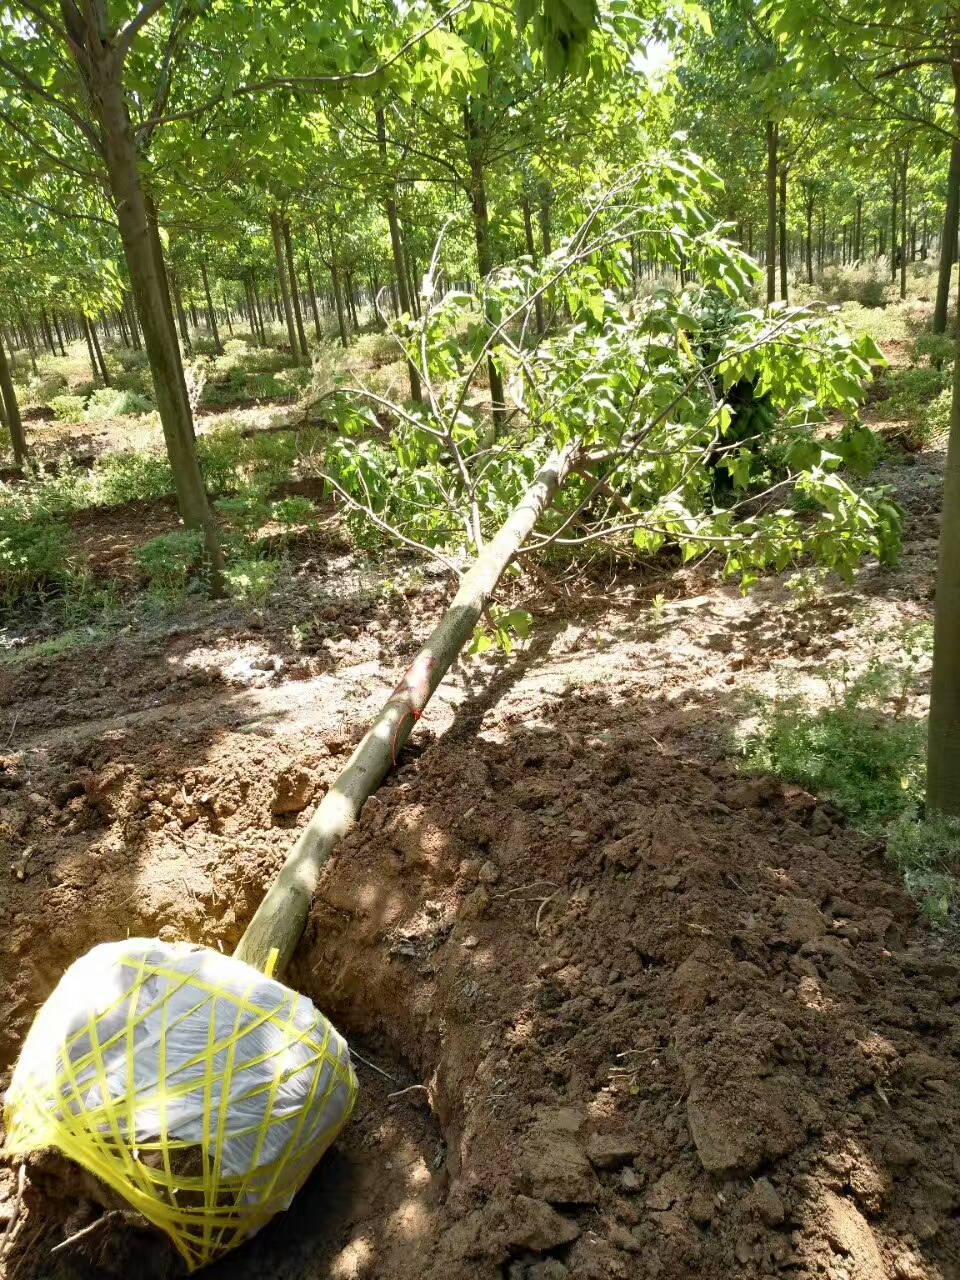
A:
x: 201, y: 1090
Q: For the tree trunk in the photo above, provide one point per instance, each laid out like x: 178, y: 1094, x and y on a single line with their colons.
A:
x: 481, y: 228
x: 131, y: 312
x: 943, y: 729
x: 284, y: 289
x: 124, y: 335
x: 894, y: 200
x: 396, y: 246
x: 858, y: 246
x: 335, y: 281
x: 59, y: 333
x: 259, y: 307
x: 532, y: 254
x: 211, y: 314
x: 784, y: 264
x: 295, y: 292
x: 352, y: 302
x: 904, y: 162
x: 772, y: 132
x: 47, y: 333
x: 99, y: 352
x: 95, y: 372
x: 951, y: 225
x: 12, y: 412
x: 150, y: 292
x: 181, y: 314
x: 809, y: 239
x: 312, y: 293
x: 28, y: 338
x: 226, y: 310
x: 280, y: 919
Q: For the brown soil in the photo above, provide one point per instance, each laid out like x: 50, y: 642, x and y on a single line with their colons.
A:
x: 670, y: 1022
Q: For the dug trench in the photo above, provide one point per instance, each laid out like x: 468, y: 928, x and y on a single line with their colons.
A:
x: 664, y: 1021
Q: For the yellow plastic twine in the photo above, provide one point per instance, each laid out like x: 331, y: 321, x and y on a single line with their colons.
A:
x: 202, y: 1091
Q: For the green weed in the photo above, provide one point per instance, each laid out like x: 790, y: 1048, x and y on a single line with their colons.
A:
x: 114, y: 402
x: 292, y: 510
x: 252, y: 580
x: 171, y: 559
x: 128, y: 477
x: 68, y: 408
x: 927, y: 851
x: 33, y: 556
x: 858, y: 750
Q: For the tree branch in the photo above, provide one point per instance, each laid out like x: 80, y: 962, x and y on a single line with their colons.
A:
x: 38, y: 90
x: 308, y: 83
x: 129, y: 33
x: 45, y: 18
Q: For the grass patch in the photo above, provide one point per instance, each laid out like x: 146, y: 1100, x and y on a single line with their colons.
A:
x: 863, y: 753
x: 856, y: 751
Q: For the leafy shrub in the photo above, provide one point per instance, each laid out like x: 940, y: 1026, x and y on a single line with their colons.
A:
x: 170, y: 559
x: 919, y: 396
x: 251, y: 579
x: 68, y: 408
x: 847, y: 284
x: 377, y: 349
x: 113, y: 402
x: 32, y: 555
x: 221, y: 459
x: 128, y: 477
x: 936, y: 348
x: 292, y: 510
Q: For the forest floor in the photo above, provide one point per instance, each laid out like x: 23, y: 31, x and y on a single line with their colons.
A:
x: 673, y: 1019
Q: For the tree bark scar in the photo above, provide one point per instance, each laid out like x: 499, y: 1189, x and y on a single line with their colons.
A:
x: 412, y: 693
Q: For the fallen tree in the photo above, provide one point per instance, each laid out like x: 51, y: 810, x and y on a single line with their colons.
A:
x: 280, y: 919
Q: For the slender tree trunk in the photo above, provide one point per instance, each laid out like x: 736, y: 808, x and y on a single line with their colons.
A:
x: 28, y: 338
x: 59, y: 333
x: 481, y: 227
x: 259, y: 306
x: 352, y: 302
x: 282, y: 915
x: 47, y: 333
x: 149, y: 285
x: 532, y: 254
x: 335, y: 281
x: 312, y: 293
x: 894, y: 201
x: 295, y: 291
x: 951, y: 225
x: 858, y: 248
x: 772, y: 134
x: 784, y: 264
x: 809, y: 245
x: 131, y: 312
x: 124, y: 335
x: 275, y: 227
x: 904, y: 162
x: 90, y: 351
x: 211, y: 314
x: 14, y: 422
x: 181, y: 314
x: 226, y: 310
x: 943, y: 741
x: 396, y: 246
